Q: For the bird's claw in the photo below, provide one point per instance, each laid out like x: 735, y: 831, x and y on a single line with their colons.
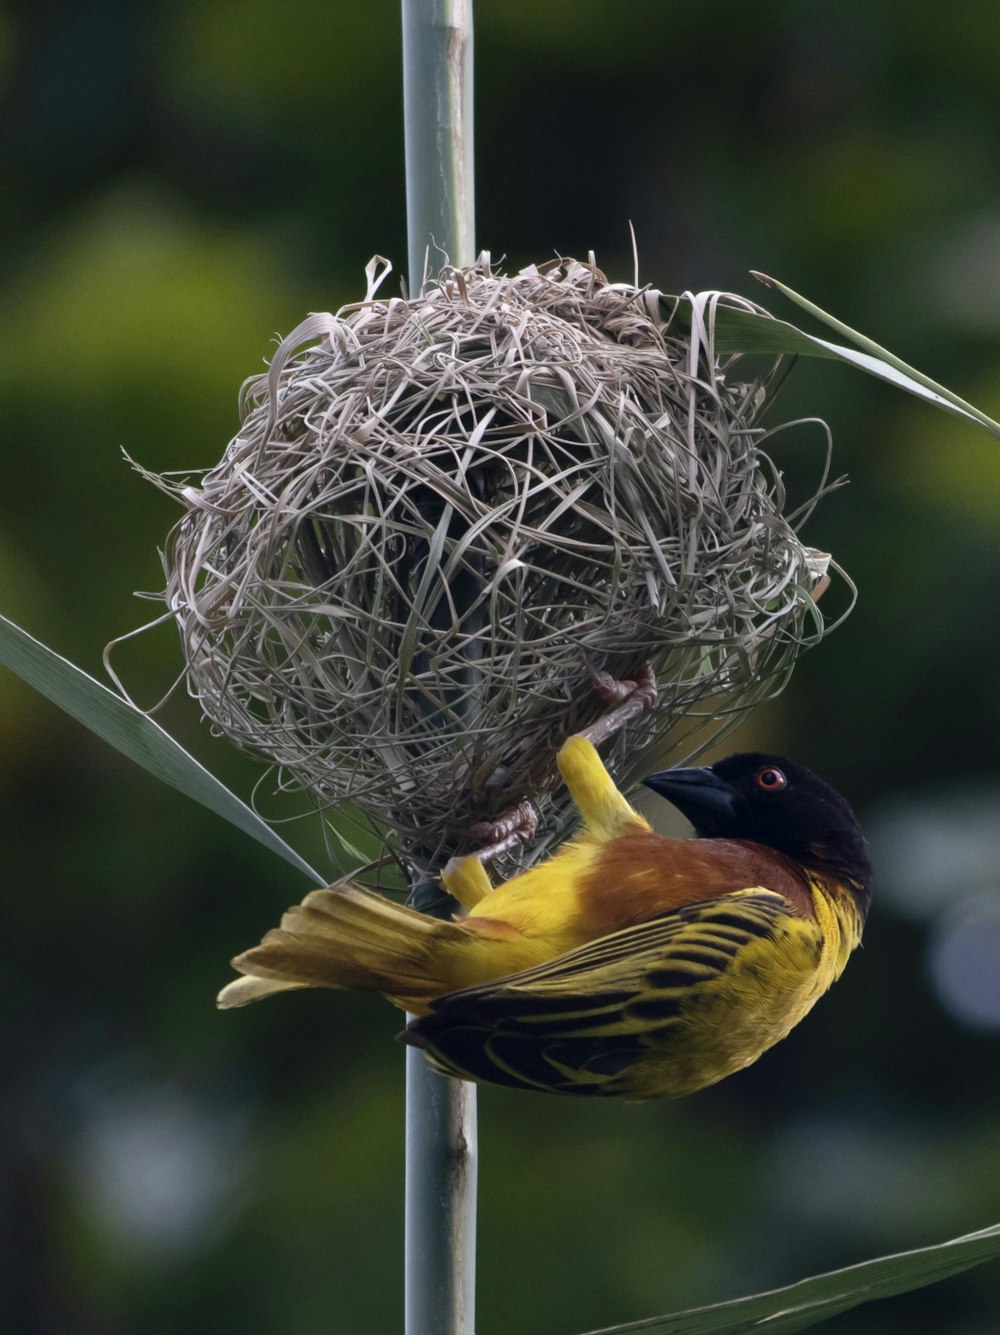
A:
x: 507, y: 832
x: 632, y: 696
x: 615, y: 690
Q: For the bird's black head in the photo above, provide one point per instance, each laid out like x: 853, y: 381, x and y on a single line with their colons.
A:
x: 775, y: 802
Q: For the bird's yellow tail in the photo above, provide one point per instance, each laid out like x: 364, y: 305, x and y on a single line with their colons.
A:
x: 350, y: 938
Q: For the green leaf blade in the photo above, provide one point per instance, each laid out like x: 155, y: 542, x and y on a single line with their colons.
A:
x: 738, y: 330
x: 810, y: 1301
x: 134, y: 734
x: 866, y: 354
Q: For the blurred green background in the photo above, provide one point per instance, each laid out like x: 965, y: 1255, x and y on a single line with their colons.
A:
x: 181, y: 183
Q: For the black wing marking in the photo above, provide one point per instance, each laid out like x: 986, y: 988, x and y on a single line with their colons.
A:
x: 578, y: 1023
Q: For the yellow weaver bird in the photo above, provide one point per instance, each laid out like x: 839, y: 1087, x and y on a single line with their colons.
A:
x: 628, y: 963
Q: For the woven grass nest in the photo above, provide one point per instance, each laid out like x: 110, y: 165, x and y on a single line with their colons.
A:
x: 441, y: 512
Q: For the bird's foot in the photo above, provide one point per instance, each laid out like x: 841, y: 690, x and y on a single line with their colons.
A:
x: 632, y: 696
x: 507, y: 832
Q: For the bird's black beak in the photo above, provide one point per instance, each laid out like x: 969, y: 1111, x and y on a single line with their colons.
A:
x: 695, y: 792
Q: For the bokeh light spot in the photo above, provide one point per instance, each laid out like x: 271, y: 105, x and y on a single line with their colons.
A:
x: 964, y: 962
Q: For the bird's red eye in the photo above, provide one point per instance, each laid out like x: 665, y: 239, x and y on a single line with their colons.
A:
x: 770, y: 779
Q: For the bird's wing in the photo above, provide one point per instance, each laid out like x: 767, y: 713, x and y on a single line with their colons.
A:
x: 575, y: 1024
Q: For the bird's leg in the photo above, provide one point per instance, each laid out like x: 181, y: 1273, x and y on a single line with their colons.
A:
x: 465, y: 877
x: 603, y: 808
x: 605, y: 811
x: 632, y: 696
